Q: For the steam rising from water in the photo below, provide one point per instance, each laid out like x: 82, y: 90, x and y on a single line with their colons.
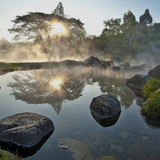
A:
x: 46, y: 50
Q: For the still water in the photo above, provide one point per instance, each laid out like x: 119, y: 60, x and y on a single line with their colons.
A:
x: 64, y: 95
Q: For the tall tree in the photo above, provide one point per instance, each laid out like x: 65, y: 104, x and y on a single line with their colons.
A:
x: 111, y: 35
x: 129, y: 21
x: 146, y: 18
x: 59, y: 10
x: 112, y: 27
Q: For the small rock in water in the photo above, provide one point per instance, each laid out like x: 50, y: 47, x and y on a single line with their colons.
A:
x: 63, y: 147
x: 61, y: 143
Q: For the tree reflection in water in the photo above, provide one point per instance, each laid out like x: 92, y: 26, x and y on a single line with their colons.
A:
x: 34, y: 87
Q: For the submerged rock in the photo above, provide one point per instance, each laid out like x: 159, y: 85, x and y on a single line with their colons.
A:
x: 105, y: 109
x: 79, y: 150
x: 25, y: 132
x: 155, y: 72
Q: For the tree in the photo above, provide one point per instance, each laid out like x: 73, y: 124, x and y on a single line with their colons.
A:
x: 59, y: 10
x: 111, y: 35
x: 129, y: 21
x: 112, y: 27
x: 128, y: 32
x: 36, y: 26
x: 146, y: 18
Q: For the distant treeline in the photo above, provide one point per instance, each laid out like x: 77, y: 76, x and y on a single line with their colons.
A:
x: 125, y: 37
x: 128, y: 37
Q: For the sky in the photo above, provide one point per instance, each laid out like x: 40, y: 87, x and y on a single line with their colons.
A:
x: 91, y: 12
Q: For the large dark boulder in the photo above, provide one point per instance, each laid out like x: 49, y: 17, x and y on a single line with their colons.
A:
x: 25, y: 132
x: 137, y: 83
x: 155, y: 72
x: 92, y: 61
x: 105, y: 107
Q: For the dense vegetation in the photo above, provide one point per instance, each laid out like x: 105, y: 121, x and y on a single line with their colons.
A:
x: 151, y: 107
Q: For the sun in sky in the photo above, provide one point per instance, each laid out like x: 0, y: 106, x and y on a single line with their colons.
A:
x: 58, y: 29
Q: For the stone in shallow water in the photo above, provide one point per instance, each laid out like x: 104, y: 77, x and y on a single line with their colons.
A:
x: 105, y: 109
x: 25, y: 132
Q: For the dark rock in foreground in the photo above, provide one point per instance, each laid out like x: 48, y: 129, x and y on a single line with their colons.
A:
x: 105, y: 107
x: 25, y: 132
x: 155, y: 72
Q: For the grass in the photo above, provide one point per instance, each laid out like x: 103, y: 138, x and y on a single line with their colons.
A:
x: 4, y: 155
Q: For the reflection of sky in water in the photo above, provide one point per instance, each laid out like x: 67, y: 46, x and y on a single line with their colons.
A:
x: 130, y: 138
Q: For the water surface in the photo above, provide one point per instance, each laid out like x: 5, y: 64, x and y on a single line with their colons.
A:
x: 67, y: 104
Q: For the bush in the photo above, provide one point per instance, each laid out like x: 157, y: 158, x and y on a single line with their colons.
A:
x: 152, y: 106
x: 151, y: 86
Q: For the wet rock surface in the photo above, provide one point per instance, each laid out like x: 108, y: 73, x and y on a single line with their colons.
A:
x: 155, y: 72
x: 105, y: 106
x: 137, y: 82
x: 25, y: 132
x: 92, y: 61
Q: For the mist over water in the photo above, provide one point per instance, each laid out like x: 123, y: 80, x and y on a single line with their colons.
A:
x: 44, y: 51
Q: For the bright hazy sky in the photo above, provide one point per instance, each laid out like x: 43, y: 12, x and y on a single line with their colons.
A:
x: 91, y: 12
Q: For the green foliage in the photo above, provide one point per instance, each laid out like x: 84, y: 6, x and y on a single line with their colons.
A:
x: 152, y: 86
x: 152, y: 105
x: 129, y: 21
x: 112, y: 27
x: 7, y: 156
x: 146, y: 18
x: 128, y: 38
